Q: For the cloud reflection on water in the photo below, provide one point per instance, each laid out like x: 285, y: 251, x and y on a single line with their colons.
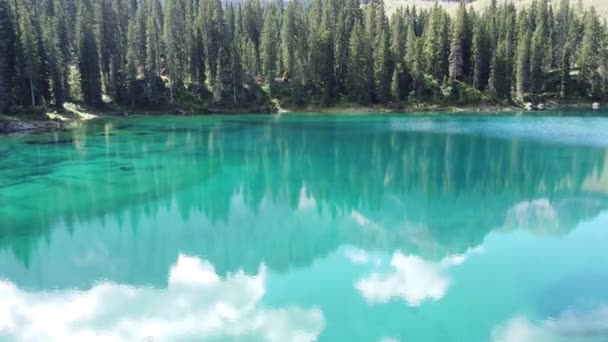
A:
x: 412, y: 278
x: 587, y: 326
x: 196, y: 304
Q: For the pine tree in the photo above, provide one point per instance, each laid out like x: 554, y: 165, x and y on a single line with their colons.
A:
x: 235, y: 68
x: 382, y: 74
x: 110, y: 49
x: 289, y: 35
x: 132, y: 61
x: 175, y: 40
x: 88, y: 58
x: 398, y: 32
x: 346, y: 17
x: 7, y: 57
x: 498, y: 84
x: 460, y: 48
x: 523, y: 57
x: 29, y: 43
x: 211, y: 23
x: 56, y: 64
x: 589, y: 56
x: 252, y: 25
x: 321, y: 57
x: 222, y: 85
x: 140, y: 37
x: 371, y: 33
x: 413, y: 59
x: 358, y: 71
x: 154, y: 36
x: 538, y: 50
x: 479, y: 57
x: 154, y: 87
x: 270, y: 37
x: 435, y: 46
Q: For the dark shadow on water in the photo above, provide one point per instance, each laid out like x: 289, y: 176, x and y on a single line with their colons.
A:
x: 49, y: 142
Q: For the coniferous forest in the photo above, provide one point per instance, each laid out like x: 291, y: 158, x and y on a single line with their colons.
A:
x: 147, y: 53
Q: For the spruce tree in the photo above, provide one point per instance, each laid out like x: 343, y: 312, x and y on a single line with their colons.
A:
x: 460, y: 47
x: 289, y: 33
x: 358, y: 71
x: 132, y: 61
x: 29, y: 44
x: 382, y: 74
x: 413, y: 59
x: 589, y: 56
x: 269, y: 46
x: 523, y: 57
x: 154, y: 39
x: 498, y: 84
x: 88, y: 57
x: 7, y: 57
x: 56, y: 64
x: 175, y: 39
x: 537, y: 53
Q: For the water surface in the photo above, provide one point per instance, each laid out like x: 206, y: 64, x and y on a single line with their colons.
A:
x: 307, y: 227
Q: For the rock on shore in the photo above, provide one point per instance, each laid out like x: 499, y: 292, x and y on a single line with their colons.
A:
x: 13, y: 125
x: 10, y: 124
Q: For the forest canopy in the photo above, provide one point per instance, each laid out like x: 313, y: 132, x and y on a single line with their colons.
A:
x: 147, y: 53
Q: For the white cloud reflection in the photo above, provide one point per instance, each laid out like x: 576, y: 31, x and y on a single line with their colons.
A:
x: 412, y: 278
x: 196, y: 304
x: 536, y: 213
x: 587, y: 326
x: 306, y: 200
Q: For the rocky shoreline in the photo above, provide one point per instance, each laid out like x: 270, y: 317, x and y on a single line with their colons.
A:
x: 10, y: 125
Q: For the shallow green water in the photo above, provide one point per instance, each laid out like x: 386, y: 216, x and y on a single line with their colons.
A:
x: 304, y: 227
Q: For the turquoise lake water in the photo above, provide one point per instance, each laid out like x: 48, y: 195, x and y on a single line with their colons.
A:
x: 307, y: 228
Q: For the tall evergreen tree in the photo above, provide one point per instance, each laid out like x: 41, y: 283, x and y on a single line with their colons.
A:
x: 110, y: 48
x: 358, y: 72
x: 88, y: 56
x: 498, y: 84
x: 29, y: 43
x: 479, y: 56
x: 8, y: 38
x: 589, y: 56
x: 175, y: 40
x: 382, y: 73
x: 538, y: 48
x: 460, y: 48
x: 269, y: 46
x: 523, y: 56
x: 413, y: 59
x: 289, y: 38
x: 154, y: 38
x: 435, y: 46
x: 55, y: 63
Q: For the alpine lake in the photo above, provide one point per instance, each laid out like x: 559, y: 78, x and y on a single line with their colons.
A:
x: 307, y: 227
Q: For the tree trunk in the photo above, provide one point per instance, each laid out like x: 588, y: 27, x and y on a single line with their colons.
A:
x: 32, y: 93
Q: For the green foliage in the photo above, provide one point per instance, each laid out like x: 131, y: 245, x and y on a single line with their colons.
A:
x: 152, y: 52
x: 359, y: 68
x: 88, y: 57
